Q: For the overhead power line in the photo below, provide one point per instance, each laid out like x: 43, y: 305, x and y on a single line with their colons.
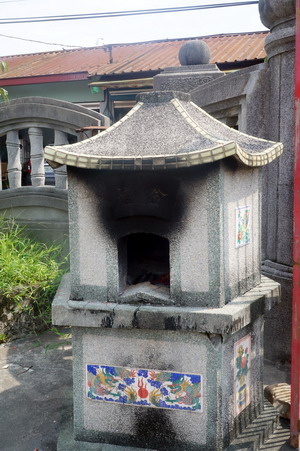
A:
x: 12, y: 1
x: 40, y: 42
x: 15, y: 20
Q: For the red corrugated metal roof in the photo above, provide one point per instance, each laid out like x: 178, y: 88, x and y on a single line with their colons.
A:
x: 135, y: 57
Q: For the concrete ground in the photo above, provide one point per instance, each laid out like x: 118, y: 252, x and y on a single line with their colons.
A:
x: 279, y: 441
x: 36, y: 387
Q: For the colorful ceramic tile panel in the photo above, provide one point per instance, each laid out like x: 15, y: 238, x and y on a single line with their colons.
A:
x: 242, y: 226
x: 149, y: 388
x: 242, y: 371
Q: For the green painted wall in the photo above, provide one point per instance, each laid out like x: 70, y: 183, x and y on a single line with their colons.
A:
x: 70, y: 91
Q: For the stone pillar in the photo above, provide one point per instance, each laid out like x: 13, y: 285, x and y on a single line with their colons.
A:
x: 61, y: 182
x: 37, y: 156
x: 14, y: 161
x: 277, y: 233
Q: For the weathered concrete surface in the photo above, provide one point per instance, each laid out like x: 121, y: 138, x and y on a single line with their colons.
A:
x: 206, y: 197
x: 186, y: 78
x: 43, y: 210
x: 195, y: 71
x: 278, y: 321
x: 260, y: 101
x: 35, y: 390
x: 227, y: 320
x: 118, y: 333
x: 194, y: 52
x: 277, y: 442
x: 44, y: 112
x: 35, y: 403
x: 277, y: 201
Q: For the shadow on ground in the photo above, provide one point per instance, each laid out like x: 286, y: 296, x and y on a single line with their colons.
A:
x: 35, y: 390
x: 275, y: 374
x: 280, y: 439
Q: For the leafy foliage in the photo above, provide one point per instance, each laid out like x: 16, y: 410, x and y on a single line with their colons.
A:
x: 29, y: 276
x: 3, y: 92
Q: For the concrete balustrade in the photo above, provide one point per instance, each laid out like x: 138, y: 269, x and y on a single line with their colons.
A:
x: 37, y: 156
x: 41, y: 209
x: 61, y: 138
x: 14, y: 159
x: 36, y: 114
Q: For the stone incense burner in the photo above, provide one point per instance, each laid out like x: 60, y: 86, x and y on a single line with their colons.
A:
x: 165, y: 296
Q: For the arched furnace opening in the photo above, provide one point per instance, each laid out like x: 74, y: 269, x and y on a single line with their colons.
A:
x: 144, y: 259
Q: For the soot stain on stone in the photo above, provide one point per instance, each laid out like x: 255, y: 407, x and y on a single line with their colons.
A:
x: 135, y: 321
x: 107, y: 187
x: 152, y: 426
x: 107, y: 322
x: 172, y: 323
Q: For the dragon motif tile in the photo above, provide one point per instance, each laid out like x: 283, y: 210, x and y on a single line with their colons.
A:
x: 140, y: 387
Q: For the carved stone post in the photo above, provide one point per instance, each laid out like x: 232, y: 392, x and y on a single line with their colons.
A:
x: 60, y: 138
x: 37, y: 156
x: 277, y: 236
x: 279, y: 16
x: 14, y: 161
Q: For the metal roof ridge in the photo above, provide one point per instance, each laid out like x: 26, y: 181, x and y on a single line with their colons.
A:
x: 123, y: 44
x: 189, y: 37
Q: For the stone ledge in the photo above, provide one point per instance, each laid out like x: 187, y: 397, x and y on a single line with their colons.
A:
x: 28, y: 196
x: 226, y: 320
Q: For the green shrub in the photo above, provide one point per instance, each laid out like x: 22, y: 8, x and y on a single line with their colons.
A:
x: 29, y: 276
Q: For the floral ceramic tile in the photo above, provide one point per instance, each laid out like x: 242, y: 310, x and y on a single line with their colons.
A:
x: 150, y: 388
x: 242, y: 364
x: 242, y: 226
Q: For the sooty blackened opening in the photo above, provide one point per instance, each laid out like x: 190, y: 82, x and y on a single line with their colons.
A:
x: 144, y: 257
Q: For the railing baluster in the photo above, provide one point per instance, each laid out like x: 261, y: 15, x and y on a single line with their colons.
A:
x: 60, y: 138
x: 13, y: 158
x: 37, y: 156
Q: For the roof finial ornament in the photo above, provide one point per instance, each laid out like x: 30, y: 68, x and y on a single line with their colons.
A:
x: 194, y: 71
x: 274, y: 12
x: 194, y: 53
x: 279, y: 16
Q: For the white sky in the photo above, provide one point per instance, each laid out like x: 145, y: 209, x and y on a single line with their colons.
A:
x: 88, y: 33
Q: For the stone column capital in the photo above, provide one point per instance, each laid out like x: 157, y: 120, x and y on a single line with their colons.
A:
x: 279, y: 17
x: 37, y: 131
x: 275, y: 12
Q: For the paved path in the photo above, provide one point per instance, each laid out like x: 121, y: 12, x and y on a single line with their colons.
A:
x: 36, y: 379
x: 36, y: 387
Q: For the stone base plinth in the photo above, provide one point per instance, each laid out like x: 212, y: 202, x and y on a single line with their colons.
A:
x: 166, y: 377
x: 251, y: 439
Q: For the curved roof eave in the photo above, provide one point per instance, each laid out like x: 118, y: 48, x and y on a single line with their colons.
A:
x: 56, y: 157
x: 197, y: 138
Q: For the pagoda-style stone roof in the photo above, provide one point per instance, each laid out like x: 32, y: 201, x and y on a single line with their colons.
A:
x: 165, y: 130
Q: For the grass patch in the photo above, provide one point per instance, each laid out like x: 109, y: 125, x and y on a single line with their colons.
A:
x: 30, y: 272
x: 3, y: 338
